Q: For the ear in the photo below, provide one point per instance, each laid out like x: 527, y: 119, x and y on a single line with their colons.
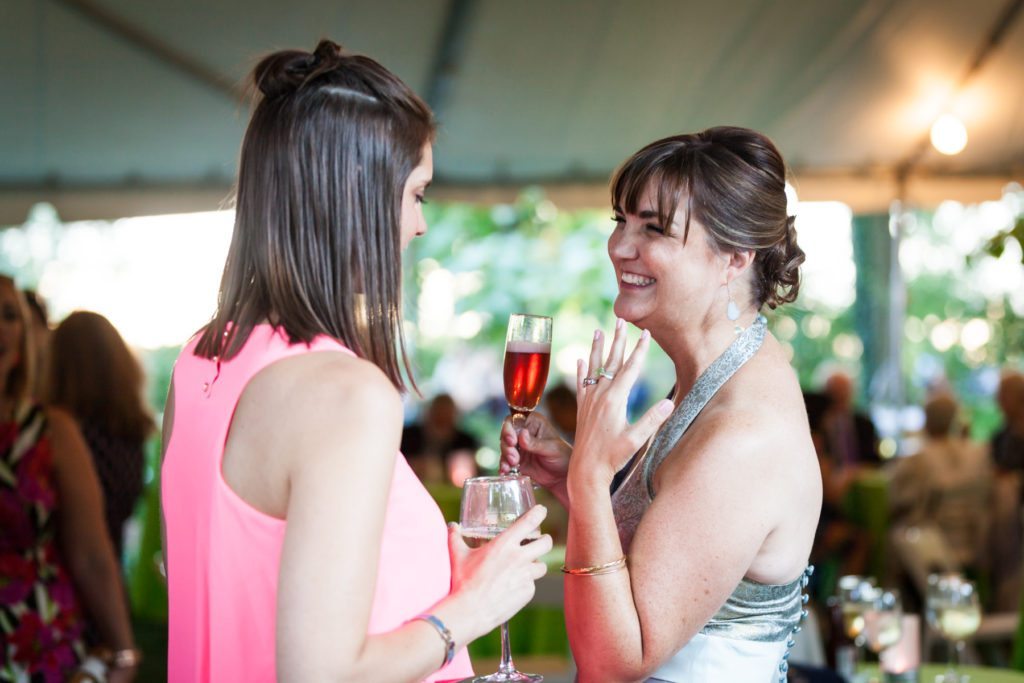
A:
x: 736, y: 264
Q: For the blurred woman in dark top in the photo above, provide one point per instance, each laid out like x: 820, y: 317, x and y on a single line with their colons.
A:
x: 94, y: 376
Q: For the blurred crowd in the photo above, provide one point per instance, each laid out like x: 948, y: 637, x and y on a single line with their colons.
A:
x: 948, y: 504
x: 73, y: 423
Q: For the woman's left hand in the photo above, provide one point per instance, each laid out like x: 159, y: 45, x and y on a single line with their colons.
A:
x: 604, y: 438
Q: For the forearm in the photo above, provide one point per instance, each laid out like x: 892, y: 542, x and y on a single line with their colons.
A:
x: 602, y: 620
x: 409, y: 653
x: 99, y: 585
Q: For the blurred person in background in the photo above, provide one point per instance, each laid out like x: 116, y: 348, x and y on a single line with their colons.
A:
x: 947, y: 485
x: 437, y: 450
x: 1007, y: 452
x: 560, y: 405
x: 96, y: 378
x: 40, y: 318
x: 850, y: 436
x: 838, y: 539
x: 56, y: 560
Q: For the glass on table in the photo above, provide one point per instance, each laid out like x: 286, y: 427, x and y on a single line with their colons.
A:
x: 953, y: 609
x: 489, y: 506
x: 857, y: 595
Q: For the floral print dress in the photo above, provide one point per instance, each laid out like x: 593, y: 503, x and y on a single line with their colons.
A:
x: 40, y: 619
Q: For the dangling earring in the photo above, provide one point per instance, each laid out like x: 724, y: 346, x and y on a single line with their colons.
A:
x: 732, y: 311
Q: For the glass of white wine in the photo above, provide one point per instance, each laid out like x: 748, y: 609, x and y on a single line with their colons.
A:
x: 489, y: 506
x: 856, y: 597
x: 883, y: 621
x: 954, y: 611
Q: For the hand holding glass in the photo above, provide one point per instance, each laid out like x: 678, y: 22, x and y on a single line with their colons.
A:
x: 527, y: 358
x: 489, y: 506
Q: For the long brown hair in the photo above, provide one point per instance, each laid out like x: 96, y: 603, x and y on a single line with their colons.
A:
x: 21, y: 379
x: 734, y: 182
x: 94, y: 376
x: 316, y: 244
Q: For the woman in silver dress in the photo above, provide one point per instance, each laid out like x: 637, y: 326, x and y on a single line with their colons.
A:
x: 694, y: 568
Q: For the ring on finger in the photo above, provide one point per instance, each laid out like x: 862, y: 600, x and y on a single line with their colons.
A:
x: 601, y: 372
x: 590, y: 381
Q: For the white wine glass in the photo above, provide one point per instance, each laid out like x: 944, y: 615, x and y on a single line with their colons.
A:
x: 953, y: 610
x: 883, y: 621
x: 856, y: 596
x: 489, y: 506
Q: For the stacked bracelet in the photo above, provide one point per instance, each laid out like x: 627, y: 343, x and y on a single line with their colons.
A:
x: 446, y: 635
x: 606, y: 568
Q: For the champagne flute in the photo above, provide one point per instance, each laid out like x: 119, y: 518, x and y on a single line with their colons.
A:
x: 489, y: 506
x: 955, y: 612
x: 527, y: 358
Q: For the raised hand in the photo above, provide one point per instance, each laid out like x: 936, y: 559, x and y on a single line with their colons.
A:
x: 605, y: 440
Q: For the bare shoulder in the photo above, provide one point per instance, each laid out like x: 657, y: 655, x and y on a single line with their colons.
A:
x: 323, y: 381
x: 754, y: 430
x: 62, y: 428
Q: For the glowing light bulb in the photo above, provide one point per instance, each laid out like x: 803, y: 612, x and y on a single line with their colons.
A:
x: 949, y: 136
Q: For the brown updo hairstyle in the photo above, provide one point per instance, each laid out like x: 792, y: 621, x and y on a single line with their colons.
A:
x: 733, y: 181
x: 316, y: 245
x: 96, y: 377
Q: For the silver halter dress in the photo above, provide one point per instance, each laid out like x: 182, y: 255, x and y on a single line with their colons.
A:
x: 749, y: 637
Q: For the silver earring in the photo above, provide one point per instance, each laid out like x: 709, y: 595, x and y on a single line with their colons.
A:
x: 732, y: 311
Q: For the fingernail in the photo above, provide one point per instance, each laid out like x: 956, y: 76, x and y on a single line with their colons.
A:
x: 665, y: 407
x: 597, y: 334
x: 451, y: 526
x: 645, y: 335
x: 619, y: 322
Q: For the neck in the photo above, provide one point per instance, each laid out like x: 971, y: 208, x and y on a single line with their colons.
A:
x: 693, y: 346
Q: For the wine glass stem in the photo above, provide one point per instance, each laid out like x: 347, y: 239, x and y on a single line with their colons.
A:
x: 506, y: 666
x: 954, y: 655
x: 518, y: 422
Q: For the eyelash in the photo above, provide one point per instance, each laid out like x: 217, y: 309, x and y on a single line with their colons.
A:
x: 421, y: 200
x: 620, y: 220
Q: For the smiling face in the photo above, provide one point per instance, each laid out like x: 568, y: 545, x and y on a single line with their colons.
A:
x: 12, y: 331
x: 663, y: 281
x: 413, y: 222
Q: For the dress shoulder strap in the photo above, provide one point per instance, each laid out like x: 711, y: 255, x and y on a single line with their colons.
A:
x: 704, y: 389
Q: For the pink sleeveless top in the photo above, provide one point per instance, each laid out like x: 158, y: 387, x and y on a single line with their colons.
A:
x: 223, y: 554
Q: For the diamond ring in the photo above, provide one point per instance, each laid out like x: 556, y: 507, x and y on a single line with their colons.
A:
x: 601, y: 372
x: 589, y: 381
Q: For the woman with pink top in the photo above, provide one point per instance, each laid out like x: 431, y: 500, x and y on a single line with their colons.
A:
x: 299, y: 543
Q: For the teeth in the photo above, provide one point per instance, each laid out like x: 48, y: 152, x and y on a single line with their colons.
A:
x: 633, y: 279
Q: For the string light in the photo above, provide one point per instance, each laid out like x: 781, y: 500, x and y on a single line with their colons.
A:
x: 949, y: 136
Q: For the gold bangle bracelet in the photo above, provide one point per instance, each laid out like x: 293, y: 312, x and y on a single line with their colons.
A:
x: 606, y: 568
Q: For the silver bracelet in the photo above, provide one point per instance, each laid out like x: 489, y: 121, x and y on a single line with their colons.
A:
x: 449, y: 642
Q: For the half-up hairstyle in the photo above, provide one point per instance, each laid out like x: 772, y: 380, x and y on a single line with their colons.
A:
x: 733, y: 181
x: 316, y: 243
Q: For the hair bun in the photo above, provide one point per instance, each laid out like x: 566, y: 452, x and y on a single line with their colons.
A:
x: 284, y: 72
x: 780, y: 268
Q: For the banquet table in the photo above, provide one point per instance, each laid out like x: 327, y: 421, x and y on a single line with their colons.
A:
x: 978, y: 674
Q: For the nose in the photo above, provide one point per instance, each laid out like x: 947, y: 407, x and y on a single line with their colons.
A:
x: 621, y: 244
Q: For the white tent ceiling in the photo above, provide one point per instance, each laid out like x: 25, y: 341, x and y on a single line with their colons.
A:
x: 120, y: 107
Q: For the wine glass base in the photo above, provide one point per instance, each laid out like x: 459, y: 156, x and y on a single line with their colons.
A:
x: 507, y: 677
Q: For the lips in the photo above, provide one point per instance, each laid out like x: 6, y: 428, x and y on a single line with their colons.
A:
x: 636, y: 280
